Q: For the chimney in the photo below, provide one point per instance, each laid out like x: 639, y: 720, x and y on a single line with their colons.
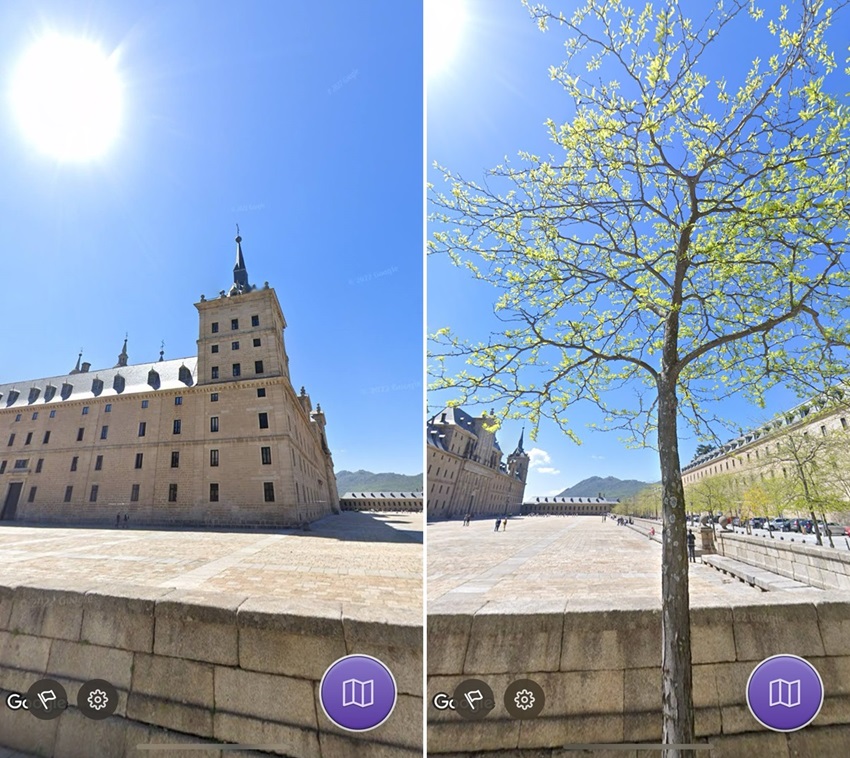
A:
x: 85, y: 367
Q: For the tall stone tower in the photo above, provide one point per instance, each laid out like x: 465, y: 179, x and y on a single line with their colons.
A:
x: 518, y: 461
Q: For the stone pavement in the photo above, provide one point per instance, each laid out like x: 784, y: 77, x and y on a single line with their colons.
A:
x: 364, y: 558
x: 554, y: 558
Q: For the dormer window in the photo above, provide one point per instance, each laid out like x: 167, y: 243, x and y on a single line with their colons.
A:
x: 49, y: 392
x: 153, y: 379
x: 34, y: 393
x: 66, y: 390
x: 184, y: 375
x: 119, y: 383
x: 97, y: 386
x: 13, y: 395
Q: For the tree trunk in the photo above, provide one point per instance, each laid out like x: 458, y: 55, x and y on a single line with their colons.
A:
x: 677, y: 682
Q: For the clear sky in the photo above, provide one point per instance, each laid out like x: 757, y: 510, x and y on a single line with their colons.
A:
x: 300, y: 122
x: 490, y: 101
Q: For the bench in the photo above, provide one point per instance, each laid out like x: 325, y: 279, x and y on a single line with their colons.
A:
x: 765, y: 580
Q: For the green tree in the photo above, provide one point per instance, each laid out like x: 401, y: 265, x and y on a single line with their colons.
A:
x: 685, y: 240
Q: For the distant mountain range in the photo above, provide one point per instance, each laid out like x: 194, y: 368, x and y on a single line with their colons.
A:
x: 366, y: 481
x: 610, y: 487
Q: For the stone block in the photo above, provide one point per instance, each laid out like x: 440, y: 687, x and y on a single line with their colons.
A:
x: 582, y: 693
x: 642, y: 727
x: 460, y: 736
x: 6, y: 596
x: 711, y: 635
x: 290, y: 636
x: 159, y: 711
x: 736, y: 719
x: 79, y: 737
x: 390, y: 636
x: 614, y: 639
x: 763, y: 743
x: 817, y: 742
x: 448, y: 640
x: 144, y: 734
x: 642, y: 690
x: 265, y: 696
x: 121, y: 617
x: 834, y: 623
x: 20, y: 731
x: 704, y: 686
x: 731, y: 682
x: 295, y: 741
x: 47, y: 611
x: 175, y: 679
x: 341, y: 746
x: 707, y: 722
x: 24, y: 652
x: 199, y: 626
x: 555, y: 731
x: 520, y: 643
x: 80, y: 662
x: 762, y: 630
x: 835, y: 710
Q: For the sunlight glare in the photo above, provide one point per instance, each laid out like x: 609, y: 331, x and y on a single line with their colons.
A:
x: 66, y: 95
x: 444, y: 22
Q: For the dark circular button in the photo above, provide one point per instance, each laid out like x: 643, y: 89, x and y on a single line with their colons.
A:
x: 97, y: 699
x: 473, y: 699
x: 785, y: 693
x: 47, y: 699
x: 524, y: 699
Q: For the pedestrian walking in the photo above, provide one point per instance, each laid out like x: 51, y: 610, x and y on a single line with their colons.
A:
x: 117, y: 519
x: 126, y: 519
x: 504, y: 524
x: 692, y: 540
x: 498, y: 521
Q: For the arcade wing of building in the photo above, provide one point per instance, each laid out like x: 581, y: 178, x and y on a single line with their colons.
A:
x: 466, y: 474
x: 568, y: 506
x: 213, y: 439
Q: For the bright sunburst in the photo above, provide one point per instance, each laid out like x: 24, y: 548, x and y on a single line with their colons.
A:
x: 66, y: 95
x: 443, y: 26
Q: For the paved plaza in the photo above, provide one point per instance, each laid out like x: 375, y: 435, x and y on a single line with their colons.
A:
x: 543, y: 559
x: 362, y: 558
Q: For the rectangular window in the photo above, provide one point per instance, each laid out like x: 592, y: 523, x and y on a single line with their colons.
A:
x: 214, y: 397
x: 104, y: 431
x: 213, y: 423
x: 214, y: 371
x: 52, y: 414
x: 35, y: 415
x: 144, y: 403
x: 175, y: 459
x: 266, y: 455
x: 11, y: 440
x: 46, y: 438
x: 69, y: 490
x: 139, y: 458
x: 93, y: 494
x: 213, y: 492
x: 80, y: 434
x: 234, y: 345
x: 234, y: 323
x: 28, y: 439
x: 215, y: 327
x: 85, y: 410
x: 108, y: 408
x: 2, y: 467
x: 258, y: 367
x: 261, y: 391
x: 172, y: 493
x: 39, y: 464
x: 214, y: 349
x: 134, y: 493
x: 18, y: 417
x: 22, y: 463
x: 31, y: 497
x: 74, y: 462
x: 98, y: 463
x: 143, y: 427
x: 255, y: 320
x: 264, y: 421
x: 176, y: 426
x: 178, y: 400
x: 256, y: 342
x: 237, y: 369
x: 213, y: 457
x: 268, y: 492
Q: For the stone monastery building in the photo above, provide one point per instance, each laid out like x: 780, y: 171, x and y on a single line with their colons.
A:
x: 220, y: 438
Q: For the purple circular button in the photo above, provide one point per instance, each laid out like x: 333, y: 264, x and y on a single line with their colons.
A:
x: 785, y: 693
x: 357, y: 693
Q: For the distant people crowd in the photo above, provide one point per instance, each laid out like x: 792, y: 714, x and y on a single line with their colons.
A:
x: 622, y: 521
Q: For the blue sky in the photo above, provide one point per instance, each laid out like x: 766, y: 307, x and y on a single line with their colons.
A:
x: 303, y: 124
x: 489, y: 102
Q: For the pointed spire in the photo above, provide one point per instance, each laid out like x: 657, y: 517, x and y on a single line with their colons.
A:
x: 162, y: 350
x: 77, y: 369
x: 519, y: 450
x: 240, y: 273
x: 122, y: 357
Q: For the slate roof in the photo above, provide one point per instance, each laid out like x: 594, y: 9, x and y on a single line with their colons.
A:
x: 174, y: 374
x: 382, y: 496
x: 572, y: 500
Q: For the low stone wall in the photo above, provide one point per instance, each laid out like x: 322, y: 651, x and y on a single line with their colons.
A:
x: 823, y: 567
x: 195, y: 668
x: 600, y: 669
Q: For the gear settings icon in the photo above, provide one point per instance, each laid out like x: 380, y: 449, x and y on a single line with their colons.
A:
x: 524, y: 700
x: 98, y: 700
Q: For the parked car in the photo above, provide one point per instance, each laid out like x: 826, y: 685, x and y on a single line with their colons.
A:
x: 801, y: 525
x: 780, y: 524
x: 757, y: 522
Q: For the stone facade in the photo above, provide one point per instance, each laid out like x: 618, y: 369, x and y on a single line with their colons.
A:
x: 569, y: 506
x: 466, y: 474
x: 214, y: 439
x: 409, y: 502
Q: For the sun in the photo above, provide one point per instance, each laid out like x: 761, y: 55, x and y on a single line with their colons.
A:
x: 67, y: 98
x: 444, y: 23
